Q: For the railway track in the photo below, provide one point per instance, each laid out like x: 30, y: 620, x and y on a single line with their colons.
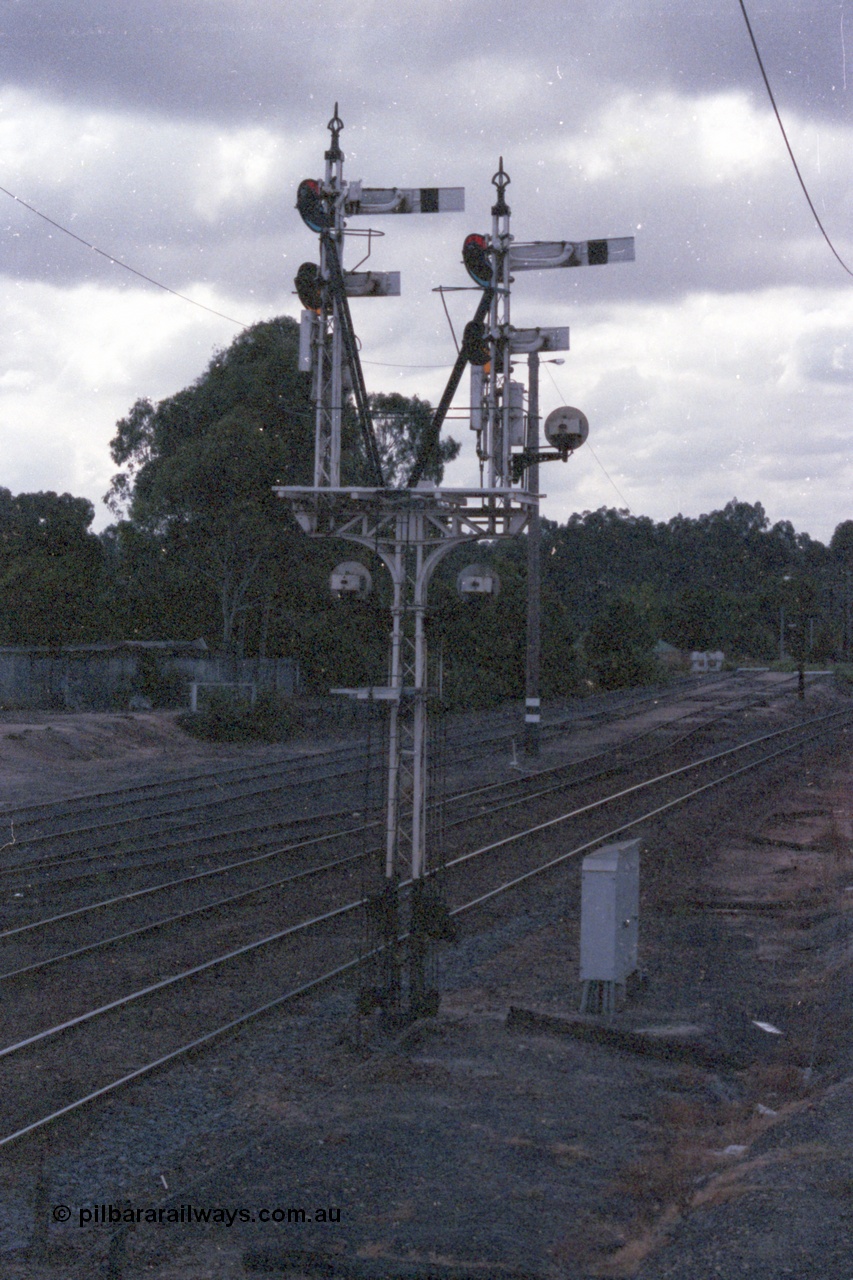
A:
x: 197, y: 892
x: 61, y: 1050
x: 131, y: 843
x: 68, y: 878
x: 103, y: 816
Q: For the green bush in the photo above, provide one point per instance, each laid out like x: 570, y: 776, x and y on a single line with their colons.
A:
x: 226, y: 719
x: 165, y: 689
x: 619, y: 646
x: 843, y: 677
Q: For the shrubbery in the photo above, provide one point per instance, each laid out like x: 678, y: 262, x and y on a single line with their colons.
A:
x: 844, y: 677
x: 224, y: 719
x: 619, y: 646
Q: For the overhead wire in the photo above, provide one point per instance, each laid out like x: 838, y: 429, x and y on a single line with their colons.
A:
x: 392, y: 364
x: 800, y: 178
x: 449, y: 321
x: 117, y: 262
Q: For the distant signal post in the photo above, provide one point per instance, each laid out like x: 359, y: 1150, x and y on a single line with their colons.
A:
x: 508, y: 448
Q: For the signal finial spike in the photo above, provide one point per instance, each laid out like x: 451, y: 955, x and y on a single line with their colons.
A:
x: 501, y: 180
x: 335, y: 127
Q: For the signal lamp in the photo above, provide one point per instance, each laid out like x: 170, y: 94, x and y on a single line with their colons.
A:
x: 475, y: 345
x: 309, y: 286
x: 311, y: 205
x: 351, y: 579
x: 478, y: 260
x: 476, y: 581
x: 566, y: 429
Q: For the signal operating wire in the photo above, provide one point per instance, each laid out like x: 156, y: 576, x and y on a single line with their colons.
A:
x: 823, y: 231
x: 610, y: 478
x: 589, y: 446
x: 117, y: 262
x: 391, y: 364
x: 449, y: 321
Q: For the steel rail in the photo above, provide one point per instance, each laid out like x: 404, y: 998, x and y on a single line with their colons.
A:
x: 182, y: 915
x: 300, y: 875
x: 616, y: 767
x: 121, y: 795
x: 352, y: 965
x: 627, y: 826
x: 455, y: 862
x: 274, y: 884
x: 183, y: 1050
x: 73, y: 859
x: 642, y: 786
x: 121, y: 1001
x: 76, y: 857
x: 319, y: 869
x: 172, y: 884
x: 330, y: 837
x: 222, y: 801
x: 453, y: 799
x: 196, y: 800
x: 596, y: 755
x: 181, y: 781
x: 266, y: 770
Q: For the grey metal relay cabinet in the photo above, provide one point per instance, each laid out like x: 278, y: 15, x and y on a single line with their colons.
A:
x: 610, y: 916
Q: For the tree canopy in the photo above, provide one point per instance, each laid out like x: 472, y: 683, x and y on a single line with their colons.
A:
x: 401, y: 423
x: 202, y: 547
x: 52, y: 584
x: 195, y: 490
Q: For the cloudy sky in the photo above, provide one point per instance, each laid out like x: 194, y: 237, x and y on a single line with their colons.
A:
x: 173, y: 133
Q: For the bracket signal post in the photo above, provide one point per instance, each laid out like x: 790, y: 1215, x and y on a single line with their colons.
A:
x: 328, y: 366
x: 413, y: 529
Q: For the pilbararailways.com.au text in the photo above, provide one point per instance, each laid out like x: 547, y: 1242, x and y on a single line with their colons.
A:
x: 189, y: 1214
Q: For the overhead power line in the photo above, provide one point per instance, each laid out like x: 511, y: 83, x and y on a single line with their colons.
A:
x: 117, y: 262
x: 823, y: 231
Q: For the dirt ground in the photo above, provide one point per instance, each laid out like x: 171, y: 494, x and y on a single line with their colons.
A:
x: 50, y: 755
x: 710, y: 1135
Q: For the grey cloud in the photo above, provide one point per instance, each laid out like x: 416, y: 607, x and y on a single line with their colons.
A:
x: 826, y: 356
x: 219, y: 60
x: 434, y: 94
x: 427, y: 95
x: 735, y: 236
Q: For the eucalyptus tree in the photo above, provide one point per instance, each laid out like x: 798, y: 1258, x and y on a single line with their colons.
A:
x: 195, y: 486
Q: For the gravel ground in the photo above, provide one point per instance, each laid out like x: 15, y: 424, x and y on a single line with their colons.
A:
x: 459, y: 1143
x: 786, y: 1208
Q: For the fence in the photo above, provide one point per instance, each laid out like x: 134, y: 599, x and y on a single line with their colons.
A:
x: 106, y: 677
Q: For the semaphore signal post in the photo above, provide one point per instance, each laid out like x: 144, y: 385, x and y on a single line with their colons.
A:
x: 411, y: 529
